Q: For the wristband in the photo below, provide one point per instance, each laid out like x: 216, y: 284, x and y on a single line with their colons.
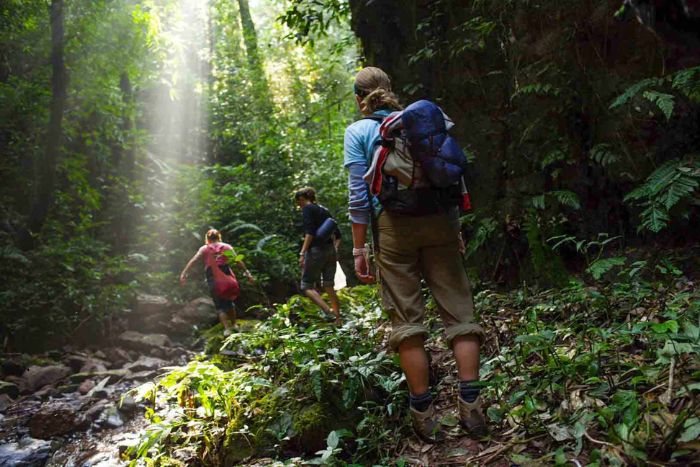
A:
x: 301, y: 253
x: 359, y: 251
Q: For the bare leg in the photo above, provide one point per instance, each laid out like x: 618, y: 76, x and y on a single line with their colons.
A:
x: 335, y: 303
x: 223, y: 320
x: 414, y: 362
x: 316, y: 298
x: 466, y: 350
x: 232, y: 316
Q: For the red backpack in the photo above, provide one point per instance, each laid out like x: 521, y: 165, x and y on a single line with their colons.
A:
x: 225, y: 287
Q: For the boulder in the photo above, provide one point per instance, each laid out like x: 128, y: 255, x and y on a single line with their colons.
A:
x: 145, y: 363
x: 144, y: 342
x: 39, y: 376
x: 5, y: 402
x: 67, y: 388
x: 94, y: 412
x: 75, y: 361
x: 46, y: 392
x: 86, y: 386
x: 55, y: 419
x: 199, y: 312
x: 13, y: 366
x: 113, y: 375
x: 93, y: 366
x: 9, y: 389
x: 27, y: 452
x: 110, y: 417
x: 150, y: 313
x: 127, y: 405
x: 20, y: 382
x: 117, y: 357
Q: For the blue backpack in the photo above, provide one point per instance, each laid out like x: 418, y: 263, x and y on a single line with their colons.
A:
x: 418, y: 169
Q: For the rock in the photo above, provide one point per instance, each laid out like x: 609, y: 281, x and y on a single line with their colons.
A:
x: 144, y: 342
x: 101, y: 355
x: 140, y: 376
x: 100, y: 393
x: 113, y: 375
x: 93, y: 366
x: 128, y: 405
x: 21, y: 383
x: 9, y: 389
x: 150, y: 313
x: 67, y: 388
x: 27, y: 452
x: 146, y: 364
x: 86, y: 386
x: 111, y: 418
x: 94, y: 412
x: 46, y: 392
x: 75, y: 362
x: 13, y: 366
x: 5, y: 402
x: 198, y: 312
x: 54, y: 354
x: 53, y: 420
x: 39, y: 376
x: 117, y: 357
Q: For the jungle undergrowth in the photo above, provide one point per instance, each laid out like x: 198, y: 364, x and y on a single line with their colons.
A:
x: 603, y: 372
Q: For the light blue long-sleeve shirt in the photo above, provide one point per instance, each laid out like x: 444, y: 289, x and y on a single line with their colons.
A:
x: 360, y: 141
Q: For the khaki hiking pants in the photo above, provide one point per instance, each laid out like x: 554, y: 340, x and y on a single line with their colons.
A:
x: 426, y: 247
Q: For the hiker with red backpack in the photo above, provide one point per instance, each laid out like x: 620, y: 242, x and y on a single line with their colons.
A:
x: 222, y: 282
x: 406, y: 181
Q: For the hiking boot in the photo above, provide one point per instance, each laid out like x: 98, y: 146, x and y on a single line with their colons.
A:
x: 426, y: 424
x: 471, y: 416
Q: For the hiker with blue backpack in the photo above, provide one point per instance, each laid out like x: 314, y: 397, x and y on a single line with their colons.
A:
x: 221, y: 280
x: 406, y: 181
x: 318, y: 254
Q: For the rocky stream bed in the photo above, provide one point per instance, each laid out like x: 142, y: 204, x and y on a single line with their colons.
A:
x: 70, y: 407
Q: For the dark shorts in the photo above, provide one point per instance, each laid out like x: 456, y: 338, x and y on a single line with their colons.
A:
x: 319, y: 264
x: 220, y: 304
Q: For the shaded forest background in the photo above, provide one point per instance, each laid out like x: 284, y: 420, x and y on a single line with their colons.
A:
x: 129, y: 128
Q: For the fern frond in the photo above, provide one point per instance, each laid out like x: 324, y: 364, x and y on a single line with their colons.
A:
x: 566, y: 198
x: 603, y: 155
x: 635, y: 89
x: 665, y: 102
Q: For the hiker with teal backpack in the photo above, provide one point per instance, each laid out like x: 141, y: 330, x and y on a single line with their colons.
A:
x: 222, y: 282
x: 318, y: 255
x: 406, y: 181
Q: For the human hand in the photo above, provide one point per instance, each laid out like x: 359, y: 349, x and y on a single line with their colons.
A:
x: 183, y: 279
x: 362, y: 270
x: 249, y: 276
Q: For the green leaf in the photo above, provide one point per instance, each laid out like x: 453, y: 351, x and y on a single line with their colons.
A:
x: 599, y: 267
x: 691, y: 430
x: 333, y: 440
x: 663, y: 101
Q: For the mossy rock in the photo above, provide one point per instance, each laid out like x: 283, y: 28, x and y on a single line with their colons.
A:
x: 237, y: 447
x: 311, y: 426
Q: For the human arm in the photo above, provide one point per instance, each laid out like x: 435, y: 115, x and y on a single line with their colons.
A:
x: 194, y: 259
x: 308, y: 238
x: 359, y: 209
x: 243, y: 267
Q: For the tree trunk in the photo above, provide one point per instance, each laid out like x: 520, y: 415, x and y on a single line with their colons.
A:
x: 52, y: 149
x: 249, y: 35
